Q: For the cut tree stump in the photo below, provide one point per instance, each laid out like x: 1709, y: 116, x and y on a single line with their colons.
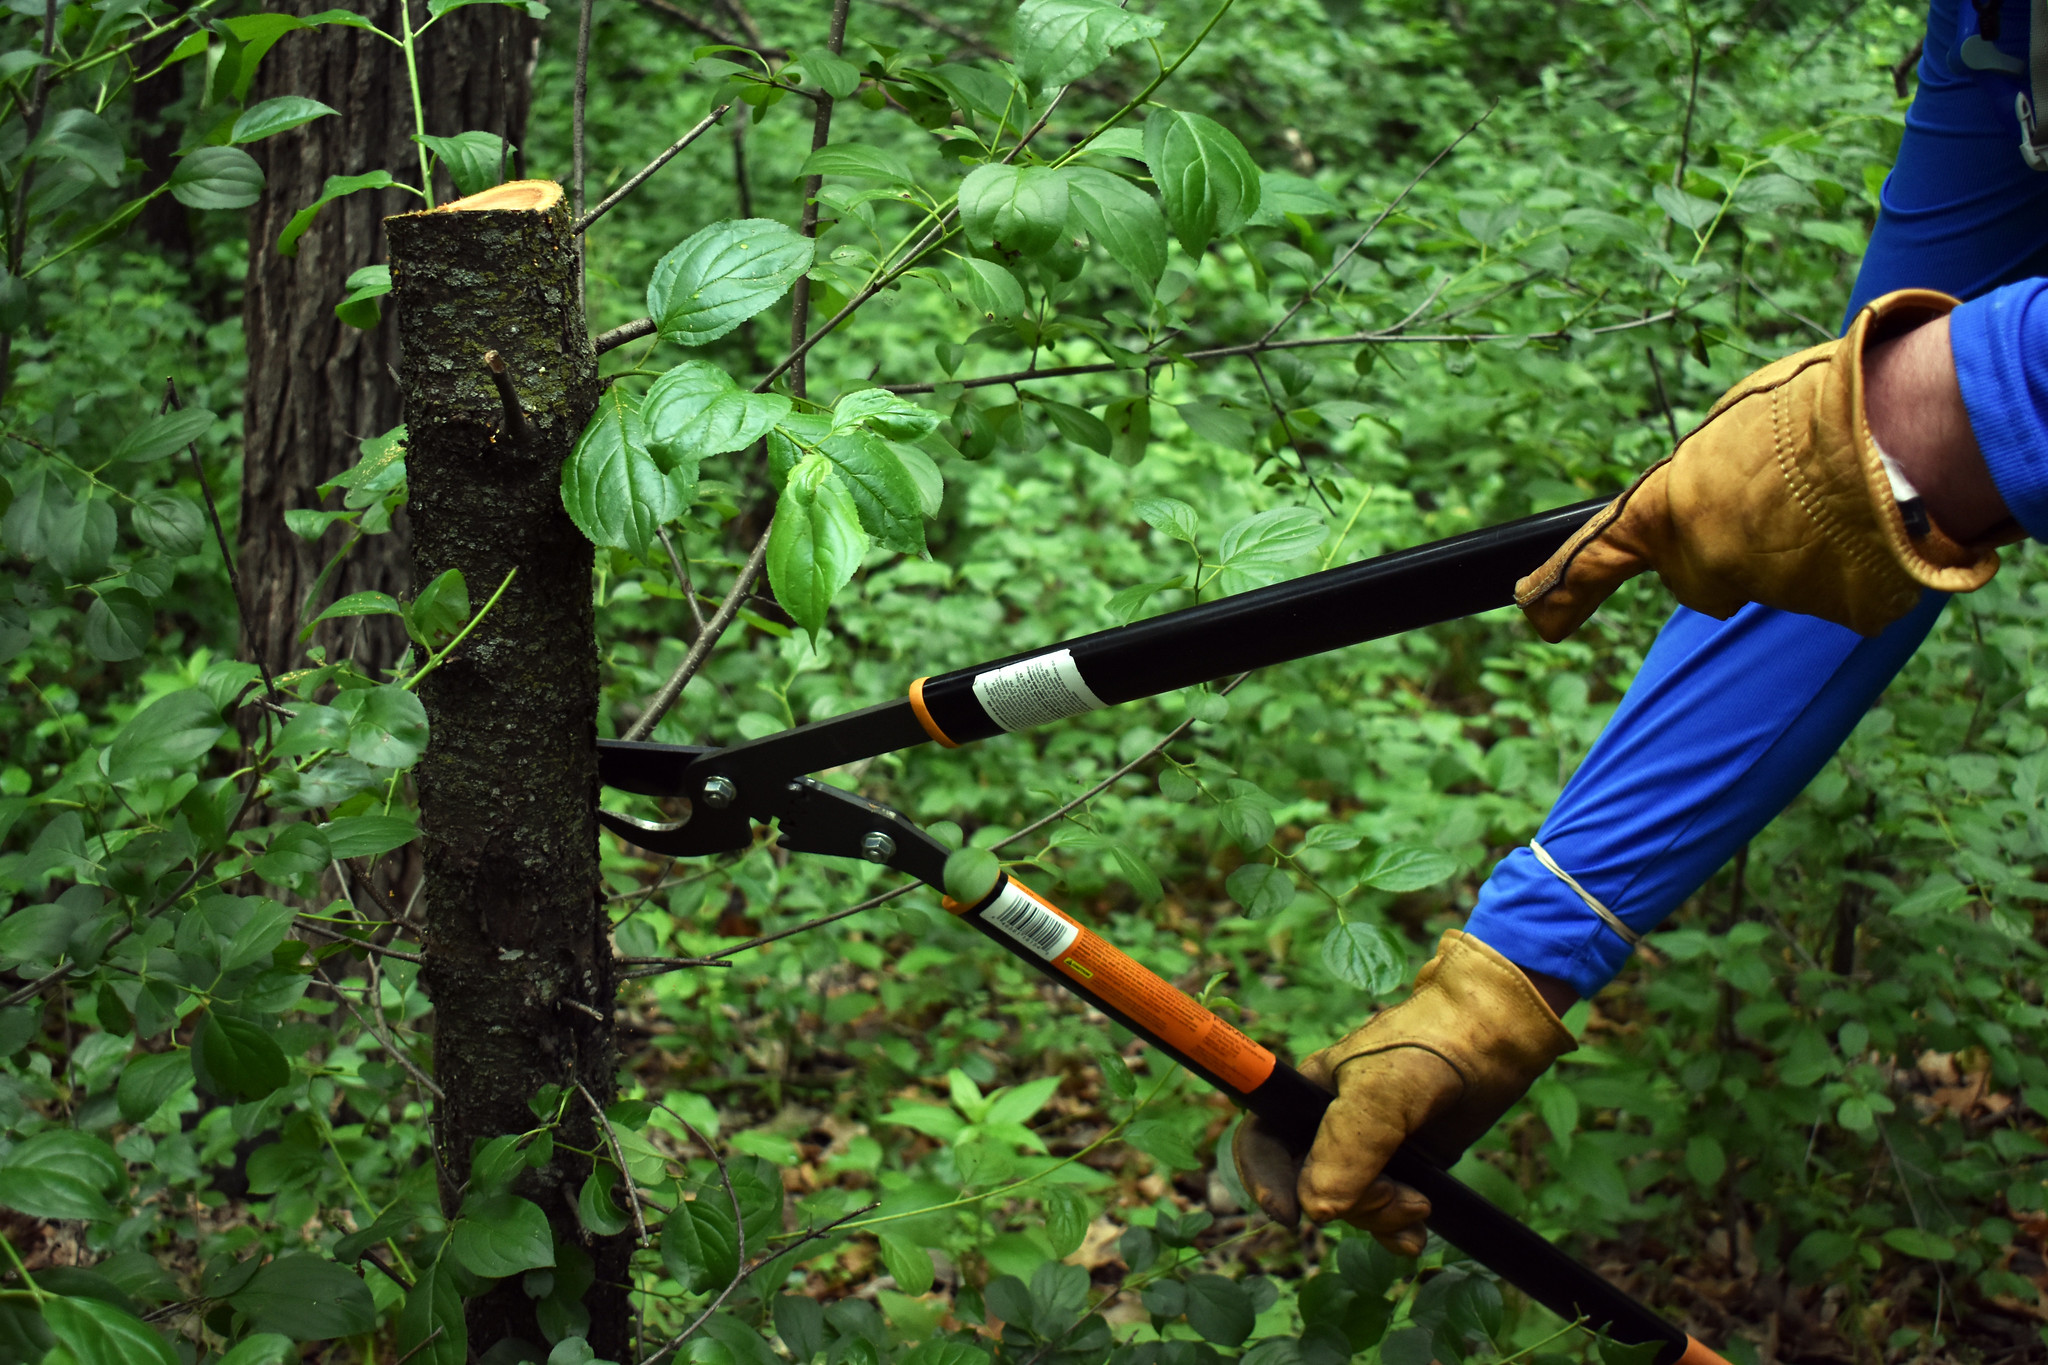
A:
x: 518, y: 959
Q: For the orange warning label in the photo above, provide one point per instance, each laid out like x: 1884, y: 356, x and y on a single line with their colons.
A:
x: 1156, y: 1005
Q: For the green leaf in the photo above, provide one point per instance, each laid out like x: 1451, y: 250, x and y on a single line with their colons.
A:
x: 992, y: 291
x: 1219, y: 1310
x: 908, y: 1263
x: 1130, y: 427
x: 815, y: 542
x: 273, y: 116
x: 884, y: 413
x: 1281, y: 193
x: 884, y: 495
x: 1079, y: 425
x: 217, y: 178
x: 1365, y: 956
x: 699, y: 1248
x: 356, y: 604
x: 696, y: 410
x: 81, y: 136
x: 1401, y: 868
x: 1116, y: 1075
x: 387, y: 726
x: 316, y: 727
x: 236, y: 1059
x: 1257, y: 550
x: 431, y: 1330
x: 307, y: 1298
x: 1123, y: 219
x: 336, y: 187
x: 1170, y: 515
x: 81, y: 537
x: 171, y: 733
x: 1704, y: 1160
x: 358, y: 307
x: 1014, y: 210
x: 243, y: 929
x: 151, y: 1081
x: 594, y: 1206
x: 533, y: 8
x: 722, y: 276
x: 1262, y: 890
x: 1164, y: 1143
x: 611, y: 486
x: 502, y: 1235
x: 1688, y: 211
x: 368, y: 836
x: 168, y: 523
x: 1206, y: 179
x: 475, y: 161
x: 857, y: 161
x: 1063, y: 40
x: 165, y: 435
x: 97, y: 1333
x: 1919, y: 1243
x: 970, y: 874
x: 1067, y: 1216
x: 263, y: 1348
x: 60, y: 1174
x: 439, y: 610
x: 834, y: 75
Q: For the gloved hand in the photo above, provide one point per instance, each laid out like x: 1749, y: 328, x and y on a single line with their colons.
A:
x: 1778, y: 497
x: 1440, y: 1067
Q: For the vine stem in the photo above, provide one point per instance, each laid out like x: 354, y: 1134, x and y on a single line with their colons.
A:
x: 618, y: 1154
x: 414, y: 681
x: 409, y: 42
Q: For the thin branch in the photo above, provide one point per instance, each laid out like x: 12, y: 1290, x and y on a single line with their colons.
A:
x: 619, y: 1154
x: 675, y: 562
x: 665, y: 964
x: 724, y: 1178
x: 1388, y: 337
x: 578, y: 97
x: 220, y: 537
x: 516, y: 424
x: 1823, y: 333
x: 385, y: 1040
x: 1663, y: 398
x: 700, y: 649
x: 748, y: 1269
x: 1287, y: 430
x: 821, y: 133
x: 621, y: 334
x: 743, y: 186
x: 709, y: 29
x: 1374, y: 225
x: 606, y: 204
x: 739, y: 14
x: 377, y: 948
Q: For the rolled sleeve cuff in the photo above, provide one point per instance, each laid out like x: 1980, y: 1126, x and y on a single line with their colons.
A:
x: 1994, y: 339
x: 1531, y: 918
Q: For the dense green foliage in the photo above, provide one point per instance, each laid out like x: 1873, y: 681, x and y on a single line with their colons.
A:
x: 1808, y: 1115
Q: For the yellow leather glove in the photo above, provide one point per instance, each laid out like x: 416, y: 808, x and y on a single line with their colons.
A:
x: 1778, y: 497
x: 1440, y: 1067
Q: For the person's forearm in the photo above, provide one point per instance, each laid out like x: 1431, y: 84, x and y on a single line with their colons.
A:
x: 1916, y: 414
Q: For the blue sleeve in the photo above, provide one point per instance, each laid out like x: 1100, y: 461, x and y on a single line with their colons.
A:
x: 1729, y: 720
x: 2001, y: 350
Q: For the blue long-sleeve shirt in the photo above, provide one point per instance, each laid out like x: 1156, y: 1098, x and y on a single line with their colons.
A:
x: 1729, y: 720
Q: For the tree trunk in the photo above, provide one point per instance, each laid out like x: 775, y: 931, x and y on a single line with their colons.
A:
x: 518, y: 961
x: 316, y: 387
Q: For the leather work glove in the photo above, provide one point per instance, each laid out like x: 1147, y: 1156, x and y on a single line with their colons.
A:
x: 1440, y: 1067
x: 1779, y: 497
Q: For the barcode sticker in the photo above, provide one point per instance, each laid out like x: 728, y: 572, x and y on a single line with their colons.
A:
x: 1035, y: 691
x: 1031, y: 922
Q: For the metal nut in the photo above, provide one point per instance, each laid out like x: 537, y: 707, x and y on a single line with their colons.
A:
x: 877, y: 847
x: 719, y: 792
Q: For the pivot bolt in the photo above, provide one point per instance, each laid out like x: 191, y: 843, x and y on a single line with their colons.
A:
x: 877, y: 847
x: 719, y: 792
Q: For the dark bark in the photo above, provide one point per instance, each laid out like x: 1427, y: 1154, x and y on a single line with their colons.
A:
x: 515, y: 924
x: 316, y: 387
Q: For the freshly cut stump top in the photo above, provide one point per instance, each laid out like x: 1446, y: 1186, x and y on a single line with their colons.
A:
x: 536, y: 196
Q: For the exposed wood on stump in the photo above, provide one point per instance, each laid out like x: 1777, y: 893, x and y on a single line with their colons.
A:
x: 516, y: 934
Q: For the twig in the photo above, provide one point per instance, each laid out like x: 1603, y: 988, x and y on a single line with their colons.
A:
x: 1821, y: 36
x: 700, y: 649
x: 51, y: 978
x: 724, y: 1178
x: 621, y: 334
x: 578, y: 96
x: 582, y: 1008
x: 515, y: 416
x: 1823, y: 333
x: 386, y: 1041
x: 710, y: 30
x: 1692, y: 105
x: 743, y: 187
x: 1907, y: 65
x: 683, y: 580
x: 1287, y: 430
x: 431, y: 1337
x: 740, y: 1277
x: 606, y: 204
x: 220, y: 537
x: 625, y: 1175
x: 1390, y: 336
x: 1663, y: 398
x: 1374, y: 225
x: 739, y: 14
x: 821, y: 133
x: 377, y: 948
x: 717, y: 958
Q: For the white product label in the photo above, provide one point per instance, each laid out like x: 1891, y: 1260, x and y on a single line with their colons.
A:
x: 1020, y: 916
x: 1034, y: 691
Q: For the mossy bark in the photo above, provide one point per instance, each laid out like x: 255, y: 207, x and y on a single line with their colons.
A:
x: 518, y: 962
